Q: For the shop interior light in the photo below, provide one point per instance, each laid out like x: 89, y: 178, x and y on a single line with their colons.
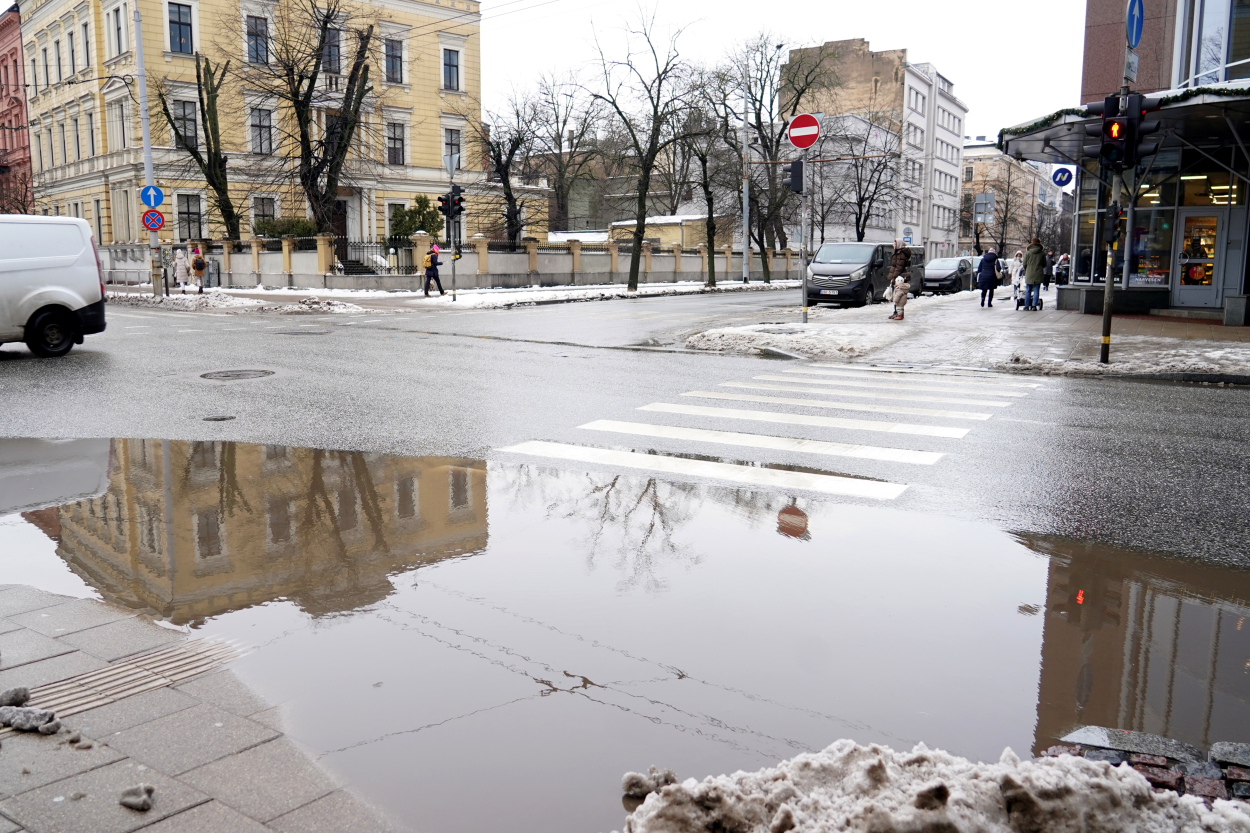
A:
x: 1195, y: 176
x: 1218, y: 187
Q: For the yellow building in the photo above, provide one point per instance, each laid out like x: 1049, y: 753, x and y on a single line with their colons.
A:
x: 189, y: 530
x: 84, y: 123
x: 686, y: 230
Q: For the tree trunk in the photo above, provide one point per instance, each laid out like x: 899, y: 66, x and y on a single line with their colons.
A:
x: 710, y: 233
x: 640, y: 225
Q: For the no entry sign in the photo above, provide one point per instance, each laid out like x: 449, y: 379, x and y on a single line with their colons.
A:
x: 153, y: 220
x: 804, y: 131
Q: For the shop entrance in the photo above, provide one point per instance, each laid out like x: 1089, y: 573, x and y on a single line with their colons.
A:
x: 1199, y: 258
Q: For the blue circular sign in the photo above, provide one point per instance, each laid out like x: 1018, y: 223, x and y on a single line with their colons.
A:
x: 151, y: 196
x: 1134, y: 18
x: 1062, y: 177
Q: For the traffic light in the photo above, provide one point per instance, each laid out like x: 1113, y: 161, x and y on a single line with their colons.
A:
x: 457, y: 201
x: 444, y: 205
x: 1111, y: 224
x: 793, y: 171
x: 1135, y: 108
x: 1116, y: 141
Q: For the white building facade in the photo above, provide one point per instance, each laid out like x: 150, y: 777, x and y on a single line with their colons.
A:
x: 932, y: 148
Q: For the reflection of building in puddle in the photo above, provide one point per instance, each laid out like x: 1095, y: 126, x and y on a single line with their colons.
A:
x: 193, y: 529
x: 1145, y: 643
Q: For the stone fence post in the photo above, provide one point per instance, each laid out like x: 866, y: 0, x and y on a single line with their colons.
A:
x: 575, y: 251
x: 614, y: 260
x: 325, y: 253
x: 729, y: 259
x: 531, y: 251
x: 677, y: 250
x: 646, y: 260
x: 227, y: 249
x: 482, y: 246
x: 256, y: 246
x: 288, y: 245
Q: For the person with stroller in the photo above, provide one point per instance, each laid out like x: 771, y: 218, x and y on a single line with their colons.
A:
x: 1015, y: 268
x: 1035, y: 261
x: 987, y: 276
x: 431, y: 264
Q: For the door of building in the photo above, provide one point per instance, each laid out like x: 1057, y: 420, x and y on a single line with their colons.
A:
x: 1199, y: 257
x: 338, y: 222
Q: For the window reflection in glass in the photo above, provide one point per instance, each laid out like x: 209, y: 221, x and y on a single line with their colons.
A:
x: 1152, y: 248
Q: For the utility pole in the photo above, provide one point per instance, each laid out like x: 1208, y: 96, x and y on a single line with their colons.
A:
x: 746, y: 178
x: 146, y: 132
x: 804, y: 217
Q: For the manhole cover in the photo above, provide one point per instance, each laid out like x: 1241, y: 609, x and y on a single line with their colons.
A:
x: 218, y: 418
x: 235, y: 375
x: 305, y: 333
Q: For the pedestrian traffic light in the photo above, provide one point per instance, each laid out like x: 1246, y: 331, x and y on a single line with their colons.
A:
x: 457, y: 201
x: 444, y: 206
x: 1115, y: 135
x: 793, y: 171
x: 1111, y: 225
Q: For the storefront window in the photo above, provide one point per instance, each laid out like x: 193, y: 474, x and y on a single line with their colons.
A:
x: 1085, y: 253
x: 1152, y: 247
x: 1211, y: 189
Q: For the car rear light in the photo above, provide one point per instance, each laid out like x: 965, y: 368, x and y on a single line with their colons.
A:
x: 99, y: 267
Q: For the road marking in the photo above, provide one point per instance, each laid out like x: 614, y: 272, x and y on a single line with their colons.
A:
x: 673, y: 432
x: 864, y: 394
x: 229, y: 329
x: 371, y: 321
x: 805, y: 419
x: 867, y: 369
x: 776, y: 478
x: 190, y: 331
x: 137, y: 327
x: 887, y: 384
x: 837, y: 406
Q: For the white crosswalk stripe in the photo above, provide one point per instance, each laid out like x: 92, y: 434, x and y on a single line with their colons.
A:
x: 903, y: 397
x: 673, y: 432
x: 863, y: 368
x: 839, y: 406
x: 751, y: 475
x: 848, y: 381
x: 807, y: 419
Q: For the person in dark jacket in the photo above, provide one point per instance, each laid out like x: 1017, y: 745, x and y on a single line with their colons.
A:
x: 1048, y: 272
x: 987, y: 276
x: 431, y: 264
x: 899, y: 264
x: 1034, y: 272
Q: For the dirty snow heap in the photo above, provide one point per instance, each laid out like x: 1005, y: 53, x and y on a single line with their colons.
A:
x: 854, y: 788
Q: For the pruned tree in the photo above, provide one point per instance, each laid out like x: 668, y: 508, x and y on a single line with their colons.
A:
x: 319, y: 115
x: 646, y: 94
x: 210, y: 160
x: 564, y: 148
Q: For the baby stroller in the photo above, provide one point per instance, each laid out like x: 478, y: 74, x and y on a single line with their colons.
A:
x: 1021, y: 296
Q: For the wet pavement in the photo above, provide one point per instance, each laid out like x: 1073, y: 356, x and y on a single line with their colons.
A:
x: 471, y: 643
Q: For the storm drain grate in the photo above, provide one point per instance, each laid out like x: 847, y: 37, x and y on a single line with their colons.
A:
x: 235, y: 375
x: 146, y: 672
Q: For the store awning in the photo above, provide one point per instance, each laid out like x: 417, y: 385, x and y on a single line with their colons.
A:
x: 1203, y: 118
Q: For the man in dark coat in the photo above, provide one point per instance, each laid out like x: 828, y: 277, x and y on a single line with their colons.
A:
x: 431, y: 264
x: 1049, y: 271
x: 987, y: 276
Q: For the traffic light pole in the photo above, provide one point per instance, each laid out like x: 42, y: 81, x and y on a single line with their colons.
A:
x: 803, y: 215
x: 1104, y: 356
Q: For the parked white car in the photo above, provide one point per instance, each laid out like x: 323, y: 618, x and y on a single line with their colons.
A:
x: 51, y: 283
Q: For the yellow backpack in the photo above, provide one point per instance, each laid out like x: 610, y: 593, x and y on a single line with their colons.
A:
x: 428, y: 261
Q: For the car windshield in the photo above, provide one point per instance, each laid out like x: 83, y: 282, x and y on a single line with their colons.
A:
x: 844, y: 253
x: 944, y: 263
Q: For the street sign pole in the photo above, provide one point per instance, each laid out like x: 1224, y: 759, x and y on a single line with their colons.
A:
x: 746, y: 182
x: 146, y: 132
x: 803, y: 215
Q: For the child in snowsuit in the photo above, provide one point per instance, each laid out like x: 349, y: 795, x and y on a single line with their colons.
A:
x: 901, y: 290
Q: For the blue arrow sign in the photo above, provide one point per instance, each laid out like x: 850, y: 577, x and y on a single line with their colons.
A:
x: 1062, y: 177
x: 1133, y: 20
x: 152, y: 196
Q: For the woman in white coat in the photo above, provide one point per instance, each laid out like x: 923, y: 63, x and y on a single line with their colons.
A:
x: 1015, y: 267
x: 182, y: 269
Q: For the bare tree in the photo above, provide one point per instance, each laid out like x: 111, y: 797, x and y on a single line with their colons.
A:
x: 505, y: 140
x: 209, y: 161
x: 870, y: 177
x: 320, y: 114
x: 17, y: 191
x: 647, y: 95
x: 999, y: 204
x: 564, y: 141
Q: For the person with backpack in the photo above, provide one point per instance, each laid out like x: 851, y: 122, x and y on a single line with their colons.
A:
x: 198, y: 265
x: 431, y: 264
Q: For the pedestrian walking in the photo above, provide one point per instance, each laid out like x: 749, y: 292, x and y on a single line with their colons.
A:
x: 1034, y: 266
x: 901, y: 289
x: 198, y: 265
x: 1049, y: 271
x: 899, y: 264
x: 431, y: 264
x: 1015, y: 268
x: 182, y: 269
x: 987, y: 276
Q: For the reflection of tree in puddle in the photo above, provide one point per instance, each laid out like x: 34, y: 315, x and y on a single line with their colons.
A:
x: 190, y: 530
x: 1142, y: 642
x: 633, y: 520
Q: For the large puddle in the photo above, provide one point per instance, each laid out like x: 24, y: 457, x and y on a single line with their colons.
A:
x: 489, y: 646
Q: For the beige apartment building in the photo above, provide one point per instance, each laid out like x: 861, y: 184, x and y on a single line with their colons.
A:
x: 85, y: 129
x: 1006, y: 202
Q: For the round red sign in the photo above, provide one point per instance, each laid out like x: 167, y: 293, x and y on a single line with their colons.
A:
x: 804, y: 130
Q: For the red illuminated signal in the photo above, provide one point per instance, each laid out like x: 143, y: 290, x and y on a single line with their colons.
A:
x: 1114, y: 129
x: 1080, y: 597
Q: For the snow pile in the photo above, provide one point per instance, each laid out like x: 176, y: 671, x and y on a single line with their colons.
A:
x: 830, y: 333
x: 854, y: 788
x: 212, y: 299
x: 1145, y: 356
x: 314, y: 304
x: 505, y: 298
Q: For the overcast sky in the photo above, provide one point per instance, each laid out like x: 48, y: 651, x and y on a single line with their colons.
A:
x: 1009, y: 62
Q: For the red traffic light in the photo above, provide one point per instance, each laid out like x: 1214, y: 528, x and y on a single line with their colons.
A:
x: 1113, y: 128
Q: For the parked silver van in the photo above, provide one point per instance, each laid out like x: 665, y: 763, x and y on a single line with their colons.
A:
x: 51, y: 283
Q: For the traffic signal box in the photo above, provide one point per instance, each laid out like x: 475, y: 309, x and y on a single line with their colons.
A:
x: 443, y: 205
x: 1116, y: 141
x: 793, y: 172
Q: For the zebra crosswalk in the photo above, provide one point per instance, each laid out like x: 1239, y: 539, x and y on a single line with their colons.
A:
x: 771, y: 426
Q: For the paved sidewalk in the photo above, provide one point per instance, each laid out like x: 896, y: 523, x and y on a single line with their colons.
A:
x: 214, y: 750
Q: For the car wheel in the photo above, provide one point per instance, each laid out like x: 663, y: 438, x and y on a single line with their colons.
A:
x: 50, y: 334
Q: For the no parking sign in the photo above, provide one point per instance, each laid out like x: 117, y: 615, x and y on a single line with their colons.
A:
x: 153, y: 220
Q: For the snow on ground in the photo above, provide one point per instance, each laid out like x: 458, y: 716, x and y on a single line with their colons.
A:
x: 855, y: 788
x: 829, y: 333
x: 210, y: 300
x: 504, y: 298
x: 1144, y: 356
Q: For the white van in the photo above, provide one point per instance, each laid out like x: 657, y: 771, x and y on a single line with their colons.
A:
x: 51, y: 283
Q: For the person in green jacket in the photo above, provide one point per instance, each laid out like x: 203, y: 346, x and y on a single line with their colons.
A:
x: 1034, y: 268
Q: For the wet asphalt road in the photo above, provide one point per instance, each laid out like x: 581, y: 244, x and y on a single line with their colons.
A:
x: 1156, y: 467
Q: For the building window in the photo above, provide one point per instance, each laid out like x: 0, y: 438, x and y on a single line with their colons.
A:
x: 915, y: 100
x: 73, y: 55
x: 119, y: 32
x: 64, y: 146
x: 451, y: 144
x: 262, y: 131
x: 332, y: 58
x: 86, y: 47
x: 451, y: 69
x: 34, y: 78
x: 56, y: 47
x: 180, y: 28
x: 915, y: 135
x: 184, y: 125
x: 257, y: 40
x: 190, y: 220
x: 968, y: 174
x: 99, y: 227
x: 279, y: 515
x: 406, y: 497
x: 394, y: 62
x: 77, y: 140
x: 91, y: 133
x: 47, y: 78
x: 395, y: 144
x: 264, y: 208
x: 208, y: 534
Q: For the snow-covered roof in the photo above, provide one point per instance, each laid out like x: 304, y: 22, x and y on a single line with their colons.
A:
x: 665, y: 220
